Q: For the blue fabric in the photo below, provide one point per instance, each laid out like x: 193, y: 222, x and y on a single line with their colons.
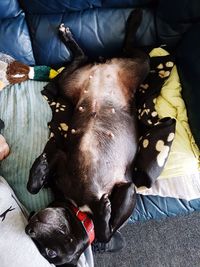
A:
x: 60, y: 6
x: 9, y: 9
x: 156, y: 207
x: 15, y: 40
x: 57, y: 6
x: 126, y: 3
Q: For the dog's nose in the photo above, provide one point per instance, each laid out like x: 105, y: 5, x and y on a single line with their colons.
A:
x: 30, y: 231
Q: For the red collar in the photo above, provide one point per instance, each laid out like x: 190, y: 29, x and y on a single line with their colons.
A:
x: 86, y: 222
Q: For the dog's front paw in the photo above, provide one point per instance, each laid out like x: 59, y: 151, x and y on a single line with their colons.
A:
x: 39, y: 174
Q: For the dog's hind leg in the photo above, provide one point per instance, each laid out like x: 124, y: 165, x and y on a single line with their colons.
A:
x: 78, y: 56
x: 131, y: 28
x: 114, y: 210
x: 69, y: 41
x: 130, y: 49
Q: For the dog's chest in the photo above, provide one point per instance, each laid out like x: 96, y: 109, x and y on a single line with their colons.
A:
x: 99, y: 82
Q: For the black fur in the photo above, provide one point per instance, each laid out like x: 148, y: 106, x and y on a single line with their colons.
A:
x: 94, y: 166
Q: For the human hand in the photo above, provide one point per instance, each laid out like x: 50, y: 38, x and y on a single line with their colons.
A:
x: 4, y: 148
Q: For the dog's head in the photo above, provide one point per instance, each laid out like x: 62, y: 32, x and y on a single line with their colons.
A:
x: 60, y: 236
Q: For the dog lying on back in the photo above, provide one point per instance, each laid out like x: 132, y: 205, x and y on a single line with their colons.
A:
x: 92, y: 171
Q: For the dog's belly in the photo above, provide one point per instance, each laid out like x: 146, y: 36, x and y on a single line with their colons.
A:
x: 99, y: 160
x: 104, y: 158
x: 103, y: 140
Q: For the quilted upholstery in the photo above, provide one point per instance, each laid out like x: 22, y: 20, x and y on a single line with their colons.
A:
x: 14, y: 34
x: 28, y: 29
x: 60, y: 6
x: 9, y: 9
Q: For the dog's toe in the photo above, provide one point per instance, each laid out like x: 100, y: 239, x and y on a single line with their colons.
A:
x: 62, y: 27
x: 105, y: 206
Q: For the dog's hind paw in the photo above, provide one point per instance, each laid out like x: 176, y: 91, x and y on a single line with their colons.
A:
x: 62, y: 27
x: 65, y: 30
x: 105, y: 208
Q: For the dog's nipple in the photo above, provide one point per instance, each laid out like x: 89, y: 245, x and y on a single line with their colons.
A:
x: 81, y: 109
x: 112, y: 110
x: 110, y: 134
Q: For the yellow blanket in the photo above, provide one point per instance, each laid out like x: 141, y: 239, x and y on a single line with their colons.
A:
x: 183, y: 164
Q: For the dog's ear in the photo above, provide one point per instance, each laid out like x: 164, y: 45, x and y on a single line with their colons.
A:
x: 31, y: 215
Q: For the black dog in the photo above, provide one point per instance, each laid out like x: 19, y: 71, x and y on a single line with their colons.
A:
x: 93, y: 169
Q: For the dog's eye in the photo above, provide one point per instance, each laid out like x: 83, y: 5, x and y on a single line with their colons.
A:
x: 51, y: 253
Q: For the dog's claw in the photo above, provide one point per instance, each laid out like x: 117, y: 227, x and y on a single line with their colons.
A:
x: 62, y: 27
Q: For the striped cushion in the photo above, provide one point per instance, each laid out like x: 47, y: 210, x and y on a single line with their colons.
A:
x: 25, y: 114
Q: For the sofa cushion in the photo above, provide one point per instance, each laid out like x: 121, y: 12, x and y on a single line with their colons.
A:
x: 25, y: 114
x: 9, y: 9
x: 188, y: 62
x: 183, y: 13
x: 55, y: 6
x: 14, y: 37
